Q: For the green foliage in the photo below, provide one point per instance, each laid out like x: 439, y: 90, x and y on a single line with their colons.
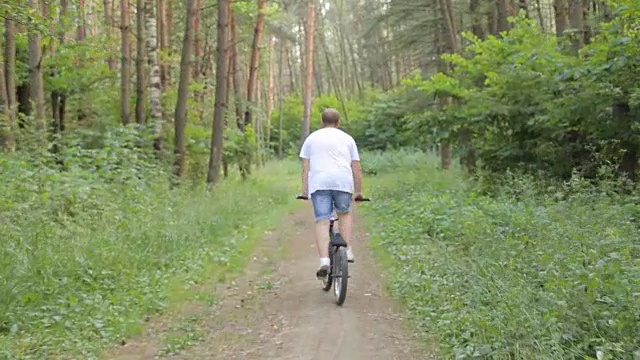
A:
x: 90, y: 251
x: 292, y: 111
x: 528, y: 101
x: 387, y: 123
x: 550, y: 276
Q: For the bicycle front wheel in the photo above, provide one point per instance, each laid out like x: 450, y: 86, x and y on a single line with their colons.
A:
x: 341, y: 275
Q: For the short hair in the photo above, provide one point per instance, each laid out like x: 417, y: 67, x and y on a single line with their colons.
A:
x: 330, y: 116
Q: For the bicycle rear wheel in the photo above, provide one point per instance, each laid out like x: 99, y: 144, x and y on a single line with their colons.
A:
x: 341, y: 275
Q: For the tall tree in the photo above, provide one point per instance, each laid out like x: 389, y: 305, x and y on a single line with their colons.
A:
x: 270, y: 89
x: 183, y: 91
x: 58, y: 97
x: 255, y: 61
x: 8, y: 82
x: 141, y: 83
x: 6, y: 120
x: 155, y: 81
x: 163, y: 34
x: 449, y: 44
x: 110, y: 23
x: 125, y: 77
x: 35, y: 72
x: 215, y: 156
x: 10, y: 62
x: 309, y: 31
x: 235, y: 72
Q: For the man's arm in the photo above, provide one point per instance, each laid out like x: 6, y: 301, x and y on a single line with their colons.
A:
x: 305, y: 156
x: 356, y: 169
x: 305, y: 177
x: 357, y: 177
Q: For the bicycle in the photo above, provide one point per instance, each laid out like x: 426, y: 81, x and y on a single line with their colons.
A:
x: 338, y: 273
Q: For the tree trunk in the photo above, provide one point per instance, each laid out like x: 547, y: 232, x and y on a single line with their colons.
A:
x: 197, y: 40
x: 322, y: 45
x: 504, y: 11
x: 35, y: 73
x: 540, y: 16
x: 255, y: 61
x: 215, y: 158
x: 270, y: 91
x: 183, y: 92
x: 10, y: 62
x: 308, y: 83
x: 164, y: 43
x: 58, y: 98
x: 125, y: 78
x: 235, y: 73
x: 108, y: 21
x: 141, y: 83
x: 356, y: 68
x: 281, y: 93
x: 476, y: 19
x: 81, y: 36
x: 451, y: 45
x: 7, y: 139
x: 8, y: 82
x: 576, y: 24
x: 81, y: 30
x: 586, y: 23
x: 623, y: 121
x: 292, y: 72
x: 155, y: 82
x: 524, y: 5
x: 561, y: 10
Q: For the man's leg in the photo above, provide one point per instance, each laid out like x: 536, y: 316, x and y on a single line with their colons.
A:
x: 322, y: 209
x: 343, y: 208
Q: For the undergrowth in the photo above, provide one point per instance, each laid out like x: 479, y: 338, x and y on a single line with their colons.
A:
x: 518, y: 274
x: 92, y: 251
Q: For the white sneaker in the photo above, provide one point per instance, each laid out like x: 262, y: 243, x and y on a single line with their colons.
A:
x: 350, y: 257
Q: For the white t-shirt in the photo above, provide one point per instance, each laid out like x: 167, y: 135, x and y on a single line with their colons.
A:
x: 330, y: 152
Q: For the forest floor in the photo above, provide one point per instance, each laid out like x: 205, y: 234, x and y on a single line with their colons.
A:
x: 277, y: 310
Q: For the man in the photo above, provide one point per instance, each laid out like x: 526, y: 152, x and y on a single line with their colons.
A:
x: 332, y: 176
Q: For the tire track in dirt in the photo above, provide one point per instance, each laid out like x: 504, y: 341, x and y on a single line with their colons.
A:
x: 283, y: 313
x: 299, y: 321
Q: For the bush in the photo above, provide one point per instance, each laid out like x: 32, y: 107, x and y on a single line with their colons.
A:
x: 549, y: 277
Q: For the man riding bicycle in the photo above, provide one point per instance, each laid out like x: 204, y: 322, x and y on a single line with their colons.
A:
x: 332, y: 175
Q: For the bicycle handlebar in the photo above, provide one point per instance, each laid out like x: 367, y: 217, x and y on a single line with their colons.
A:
x: 359, y: 198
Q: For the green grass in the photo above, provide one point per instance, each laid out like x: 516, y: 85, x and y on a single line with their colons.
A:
x: 88, y: 254
x: 553, y: 275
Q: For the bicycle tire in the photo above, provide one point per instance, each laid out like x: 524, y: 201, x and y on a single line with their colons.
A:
x: 328, y: 280
x: 341, y: 269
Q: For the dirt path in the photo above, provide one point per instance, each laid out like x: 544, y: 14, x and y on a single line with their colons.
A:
x: 278, y: 311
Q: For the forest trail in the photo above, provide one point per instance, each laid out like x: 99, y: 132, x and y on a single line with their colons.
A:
x: 277, y: 310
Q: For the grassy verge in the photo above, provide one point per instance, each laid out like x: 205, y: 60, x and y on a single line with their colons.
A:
x: 498, y: 277
x: 88, y: 254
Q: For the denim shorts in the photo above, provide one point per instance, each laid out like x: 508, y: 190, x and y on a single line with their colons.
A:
x: 325, y: 200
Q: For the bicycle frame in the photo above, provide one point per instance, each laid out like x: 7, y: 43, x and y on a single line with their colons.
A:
x: 336, y: 241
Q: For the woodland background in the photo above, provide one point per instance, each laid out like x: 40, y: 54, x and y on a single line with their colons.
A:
x: 146, y: 144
